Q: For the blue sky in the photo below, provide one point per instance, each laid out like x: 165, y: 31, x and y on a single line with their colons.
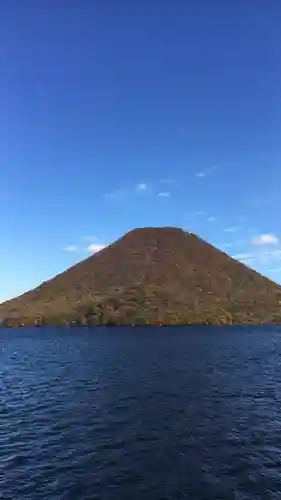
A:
x: 120, y: 114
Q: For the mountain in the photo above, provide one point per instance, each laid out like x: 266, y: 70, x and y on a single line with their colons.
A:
x: 151, y: 275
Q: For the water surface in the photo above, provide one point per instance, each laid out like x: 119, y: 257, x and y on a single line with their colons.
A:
x: 129, y: 414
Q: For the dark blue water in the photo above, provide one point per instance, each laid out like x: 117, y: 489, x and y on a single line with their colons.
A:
x: 140, y: 414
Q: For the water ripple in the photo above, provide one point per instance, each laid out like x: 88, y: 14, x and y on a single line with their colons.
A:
x: 97, y: 414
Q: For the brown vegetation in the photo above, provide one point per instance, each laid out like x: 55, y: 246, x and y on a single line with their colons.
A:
x: 151, y: 276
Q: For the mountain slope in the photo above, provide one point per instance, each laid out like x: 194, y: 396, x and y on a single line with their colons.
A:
x: 151, y: 275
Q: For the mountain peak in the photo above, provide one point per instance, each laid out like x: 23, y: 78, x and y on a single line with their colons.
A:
x: 152, y: 275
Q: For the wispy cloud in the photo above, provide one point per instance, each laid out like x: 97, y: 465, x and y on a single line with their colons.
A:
x: 71, y: 248
x: 232, y: 229
x: 95, y: 247
x: 90, y: 248
x: 207, y: 171
x: 165, y: 194
x: 141, y: 187
x: 261, y: 258
x: 199, y: 212
x: 167, y: 181
x: 266, y: 239
x: 244, y: 256
x: 212, y: 219
x: 119, y: 193
x: 127, y: 193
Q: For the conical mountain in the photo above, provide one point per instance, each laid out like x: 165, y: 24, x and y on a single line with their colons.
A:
x: 151, y: 275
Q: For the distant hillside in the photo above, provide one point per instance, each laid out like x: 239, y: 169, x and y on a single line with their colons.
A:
x: 151, y: 275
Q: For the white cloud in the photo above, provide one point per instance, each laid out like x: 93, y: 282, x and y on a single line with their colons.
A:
x: 243, y: 256
x: 167, y: 181
x: 265, y: 239
x: 164, y: 194
x: 212, y: 219
x: 248, y: 261
x: 122, y: 194
x: 71, y: 248
x: 90, y: 248
x: 207, y: 171
x: 95, y: 247
x: 261, y: 257
x: 231, y: 229
x: 141, y: 187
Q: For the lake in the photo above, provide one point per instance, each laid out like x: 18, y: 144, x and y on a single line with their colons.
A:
x: 140, y: 413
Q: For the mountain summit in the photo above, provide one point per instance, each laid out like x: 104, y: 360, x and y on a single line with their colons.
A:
x: 151, y: 275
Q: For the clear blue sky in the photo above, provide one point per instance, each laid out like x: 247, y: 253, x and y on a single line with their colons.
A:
x: 119, y: 114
